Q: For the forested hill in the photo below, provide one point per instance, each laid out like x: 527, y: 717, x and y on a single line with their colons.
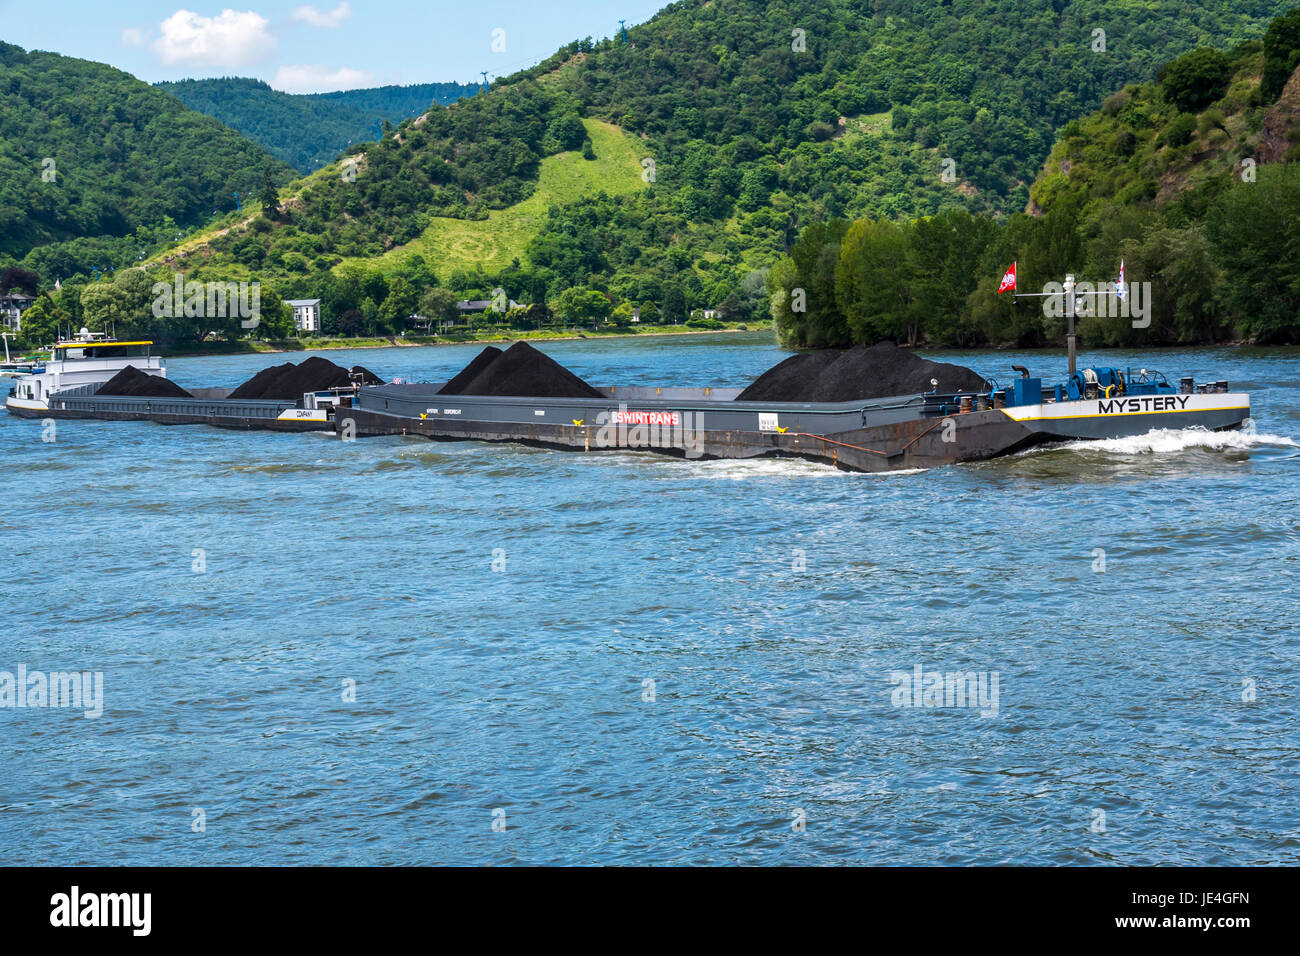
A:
x: 399, y: 102
x: 90, y: 151
x: 760, y: 117
x: 309, y: 130
x: 1189, y: 180
x: 749, y: 120
x: 985, y: 82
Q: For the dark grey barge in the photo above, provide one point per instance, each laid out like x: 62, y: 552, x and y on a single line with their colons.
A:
x: 887, y: 434
x: 208, y: 407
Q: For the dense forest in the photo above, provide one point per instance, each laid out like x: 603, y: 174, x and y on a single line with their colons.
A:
x: 768, y: 130
x: 308, y: 130
x: 90, y: 153
x: 1188, y: 180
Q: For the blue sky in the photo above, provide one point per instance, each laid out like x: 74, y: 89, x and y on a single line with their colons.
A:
x: 312, y: 47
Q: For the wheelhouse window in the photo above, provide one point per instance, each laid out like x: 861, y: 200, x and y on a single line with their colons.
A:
x: 113, y: 351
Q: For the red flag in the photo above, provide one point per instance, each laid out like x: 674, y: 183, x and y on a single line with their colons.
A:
x: 1008, y: 280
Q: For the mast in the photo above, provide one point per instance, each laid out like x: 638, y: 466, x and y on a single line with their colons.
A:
x: 1071, y: 351
x: 1071, y: 305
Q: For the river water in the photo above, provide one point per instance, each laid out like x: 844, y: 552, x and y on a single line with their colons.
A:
x: 394, y: 651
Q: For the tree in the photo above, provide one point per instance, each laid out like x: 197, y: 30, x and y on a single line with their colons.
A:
x: 103, y: 305
x: 121, y: 305
x: 812, y: 310
x: 269, y: 197
x: 23, y: 280
x: 673, y: 308
x: 351, y: 323
x: 1196, y: 79
x: 876, y: 283
x: 1281, y: 54
x: 622, y: 315
x: 565, y: 133
x: 275, y: 320
x: 581, y: 305
x: 438, y: 305
x: 1251, y: 228
x: 400, y: 303
x: 40, y: 323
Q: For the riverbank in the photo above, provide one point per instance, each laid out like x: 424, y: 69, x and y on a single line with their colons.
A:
x: 330, y: 343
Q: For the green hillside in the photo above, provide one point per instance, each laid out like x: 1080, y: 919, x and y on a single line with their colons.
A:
x: 760, y: 119
x: 308, y: 130
x: 397, y: 102
x: 125, y: 160
x: 491, y: 243
x: 756, y: 131
x: 1189, y: 180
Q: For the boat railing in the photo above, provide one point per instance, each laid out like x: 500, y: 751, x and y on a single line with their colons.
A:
x: 153, y: 405
x: 77, y: 391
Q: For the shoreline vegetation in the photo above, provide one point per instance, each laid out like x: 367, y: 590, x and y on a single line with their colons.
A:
x: 336, y: 343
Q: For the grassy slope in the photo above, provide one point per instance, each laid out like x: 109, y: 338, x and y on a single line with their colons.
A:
x: 450, y: 244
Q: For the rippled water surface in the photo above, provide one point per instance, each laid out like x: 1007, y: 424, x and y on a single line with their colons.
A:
x: 1146, y: 713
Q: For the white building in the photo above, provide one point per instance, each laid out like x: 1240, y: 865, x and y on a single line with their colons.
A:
x: 306, y: 314
x: 12, y: 307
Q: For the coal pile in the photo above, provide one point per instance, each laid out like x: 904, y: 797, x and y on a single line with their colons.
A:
x: 847, y: 375
x: 288, y: 382
x: 523, y: 371
x: 797, y: 375
x: 256, y: 386
x: 471, y: 371
x: 132, y: 381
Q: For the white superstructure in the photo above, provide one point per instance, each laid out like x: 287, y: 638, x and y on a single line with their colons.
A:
x: 89, y: 358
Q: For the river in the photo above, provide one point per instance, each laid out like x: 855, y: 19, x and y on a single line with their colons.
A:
x: 396, y: 651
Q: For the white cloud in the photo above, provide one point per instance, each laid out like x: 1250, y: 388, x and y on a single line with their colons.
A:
x: 317, y: 18
x: 319, y: 79
x: 132, y: 37
x: 229, y: 39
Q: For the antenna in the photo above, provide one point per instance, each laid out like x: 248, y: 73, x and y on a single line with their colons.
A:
x: 623, y: 29
x: 485, y: 82
x: 236, y: 195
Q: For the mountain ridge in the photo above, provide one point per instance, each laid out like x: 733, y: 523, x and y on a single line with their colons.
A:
x: 308, y: 130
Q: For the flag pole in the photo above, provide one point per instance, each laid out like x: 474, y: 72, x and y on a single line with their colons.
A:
x: 1071, y: 350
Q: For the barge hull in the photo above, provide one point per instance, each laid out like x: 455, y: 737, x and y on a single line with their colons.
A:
x: 219, y: 413
x: 235, y: 422
x: 915, y: 443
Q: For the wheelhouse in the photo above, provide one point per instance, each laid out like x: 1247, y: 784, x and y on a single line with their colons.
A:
x: 86, y: 351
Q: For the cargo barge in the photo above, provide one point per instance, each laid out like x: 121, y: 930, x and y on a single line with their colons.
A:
x: 905, y: 431
x: 886, y: 434
x: 209, y: 406
x: 69, y: 386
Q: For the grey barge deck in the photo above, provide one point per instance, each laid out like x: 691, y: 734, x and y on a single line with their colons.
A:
x: 207, y: 407
x: 906, y: 431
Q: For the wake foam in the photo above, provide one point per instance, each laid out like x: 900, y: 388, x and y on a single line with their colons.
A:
x: 1161, y: 441
x: 743, y: 469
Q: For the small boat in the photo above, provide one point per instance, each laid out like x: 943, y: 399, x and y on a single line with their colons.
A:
x: 11, y: 368
x: 79, y: 366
